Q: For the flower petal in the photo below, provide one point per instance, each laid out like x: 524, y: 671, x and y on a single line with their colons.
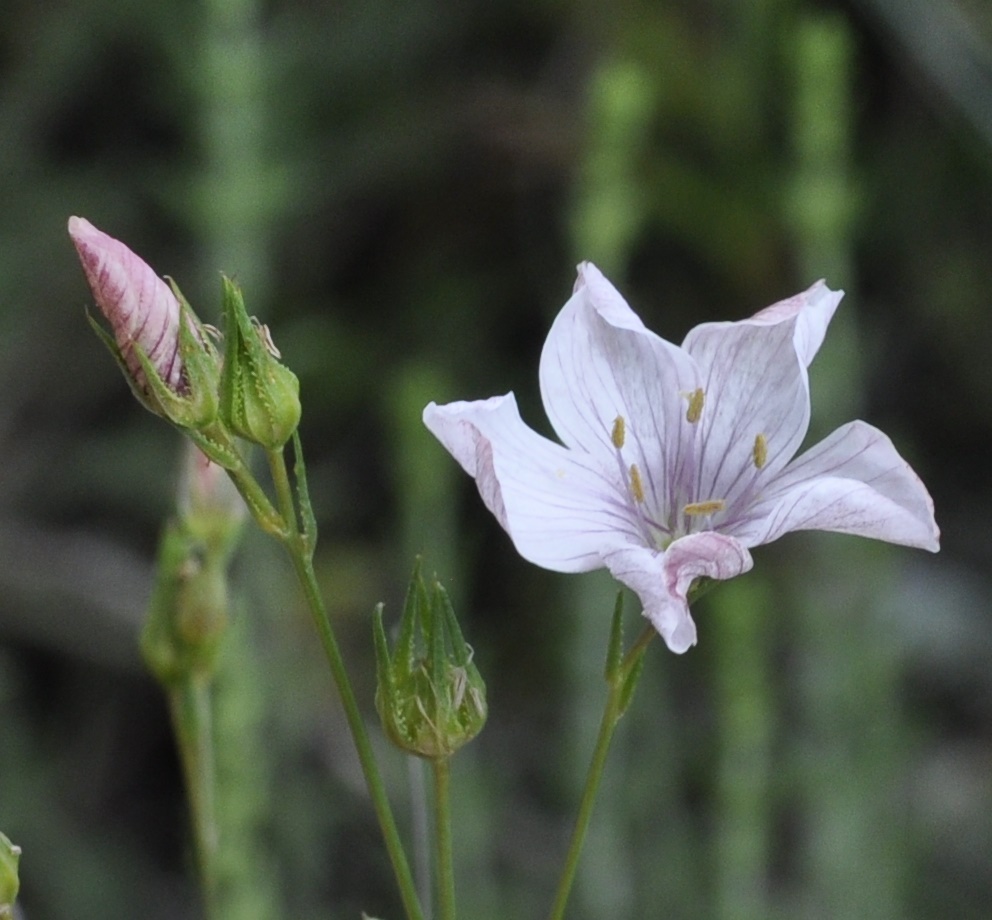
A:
x: 853, y: 481
x: 662, y: 580
x: 600, y: 362
x: 561, y: 509
x: 812, y: 310
x: 755, y: 383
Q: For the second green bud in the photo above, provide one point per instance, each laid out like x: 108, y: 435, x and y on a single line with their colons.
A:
x: 430, y: 695
x: 259, y: 396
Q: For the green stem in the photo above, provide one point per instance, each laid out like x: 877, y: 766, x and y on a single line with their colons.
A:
x: 284, y: 491
x: 297, y: 546
x: 442, y: 834
x: 189, y: 704
x: 617, y: 699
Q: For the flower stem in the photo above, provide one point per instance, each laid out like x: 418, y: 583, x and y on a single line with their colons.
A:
x: 190, y: 706
x: 297, y: 545
x: 621, y: 687
x: 442, y: 833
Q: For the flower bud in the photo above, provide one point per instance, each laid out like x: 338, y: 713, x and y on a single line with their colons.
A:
x: 210, y: 506
x: 161, y: 346
x: 9, y: 883
x: 188, y: 612
x: 430, y: 696
x: 259, y: 397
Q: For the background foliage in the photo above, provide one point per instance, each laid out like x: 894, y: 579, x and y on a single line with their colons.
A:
x: 403, y: 190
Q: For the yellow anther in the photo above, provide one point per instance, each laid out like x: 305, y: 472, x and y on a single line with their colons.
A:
x: 760, y: 451
x: 636, y: 486
x: 695, y: 409
x: 619, y: 434
x: 710, y: 507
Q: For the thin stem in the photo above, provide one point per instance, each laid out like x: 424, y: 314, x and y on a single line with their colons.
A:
x: 189, y: 704
x: 444, y: 864
x: 621, y: 689
x: 284, y: 491
x: 606, y: 728
x: 296, y: 545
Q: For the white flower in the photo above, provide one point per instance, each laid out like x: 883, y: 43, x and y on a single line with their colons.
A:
x: 677, y: 460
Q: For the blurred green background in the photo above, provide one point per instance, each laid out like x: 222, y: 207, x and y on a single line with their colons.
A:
x: 403, y: 190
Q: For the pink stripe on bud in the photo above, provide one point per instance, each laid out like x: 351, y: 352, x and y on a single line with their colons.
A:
x: 138, y: 304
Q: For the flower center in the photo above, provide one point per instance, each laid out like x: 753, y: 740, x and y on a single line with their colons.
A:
x: 678, y: 509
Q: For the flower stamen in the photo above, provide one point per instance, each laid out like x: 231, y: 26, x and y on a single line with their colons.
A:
x: 636, y: 485
x: 619, y: 433
x: 760, y: 451
x: 708, y: 507
x: 695, y: 409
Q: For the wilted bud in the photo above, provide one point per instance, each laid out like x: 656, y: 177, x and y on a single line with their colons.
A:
x: 161, y: 346
x: 259, y: 397
x: 430, y: 696
x: 9, y: 883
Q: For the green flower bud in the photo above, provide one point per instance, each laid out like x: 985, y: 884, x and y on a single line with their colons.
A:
x: 9, y: 883
x: 259, y: 397
x: 430, y: 696
x: 188, y: 612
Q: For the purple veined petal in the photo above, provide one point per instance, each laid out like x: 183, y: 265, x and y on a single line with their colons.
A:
x: 139, y: 306
x: 600, y: 362
x: 854, y: 482
x: 560, y: 508
x: 662, y: 579
x: 756, y: 384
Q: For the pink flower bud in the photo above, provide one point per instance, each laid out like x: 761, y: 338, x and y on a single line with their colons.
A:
x: 138, y: 304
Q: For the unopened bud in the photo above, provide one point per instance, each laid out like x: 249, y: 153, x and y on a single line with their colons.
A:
x: 259, y: 396
x: 430, y: 696
x: 209, y: 504
x: 161, y: 346
x: 10, y: 856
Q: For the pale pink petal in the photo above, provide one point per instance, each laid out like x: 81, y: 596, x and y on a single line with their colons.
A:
x: 812, y: 309
x: 662, y: 579
x: 853, y: 481
x: 139, y: 306
x: 600, y: 362
x: 755, y: 383
x: 561, y: 509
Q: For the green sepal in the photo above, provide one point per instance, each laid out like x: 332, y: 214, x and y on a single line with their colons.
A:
x: 111, y: 345
x: 430, y: 696
x: 10, y: 884
x: 259, y: 396
x: 383, y: 665
x: 218, y: 445
x: 614, y: 651
x: 630, y: 678
x: 307, y: 518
